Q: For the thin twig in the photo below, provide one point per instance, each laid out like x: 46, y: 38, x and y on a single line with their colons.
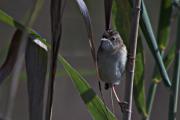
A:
x: 173, y: 102
x: 150, y: 99
x: 132, y: 56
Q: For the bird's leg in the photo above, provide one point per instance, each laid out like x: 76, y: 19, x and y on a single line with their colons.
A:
x: 123, y: 104
x: 112, y: 101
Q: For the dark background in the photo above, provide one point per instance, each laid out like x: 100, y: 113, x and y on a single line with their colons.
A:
x: 74, y: 46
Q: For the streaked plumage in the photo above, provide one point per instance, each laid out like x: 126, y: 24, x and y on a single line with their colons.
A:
x: 111, y: 58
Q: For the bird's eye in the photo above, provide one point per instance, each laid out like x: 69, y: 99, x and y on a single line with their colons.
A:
x: 113, y: 38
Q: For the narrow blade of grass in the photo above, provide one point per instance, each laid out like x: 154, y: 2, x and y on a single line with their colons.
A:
x: 149, y: 35
x: 56, y: 10
x: 168, y: 60
x: 162, y: 39
x: 10, y: 21
x: 94, y: 104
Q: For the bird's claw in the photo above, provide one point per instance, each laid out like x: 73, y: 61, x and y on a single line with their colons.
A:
x: 124, y: 106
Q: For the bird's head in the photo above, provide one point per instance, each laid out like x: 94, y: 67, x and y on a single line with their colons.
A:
x: 111, y: 41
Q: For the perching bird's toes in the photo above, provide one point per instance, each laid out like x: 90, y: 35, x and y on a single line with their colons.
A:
x: 124, y: 106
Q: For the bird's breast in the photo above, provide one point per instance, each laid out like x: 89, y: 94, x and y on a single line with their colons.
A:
x: 110, y: 67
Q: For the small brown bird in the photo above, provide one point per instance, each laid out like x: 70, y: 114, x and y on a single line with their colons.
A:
x: 111, y: 58
x: 111, y: 62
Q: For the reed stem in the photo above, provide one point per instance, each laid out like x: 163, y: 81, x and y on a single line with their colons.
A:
x: 173, y: 102
x: 132, y: 56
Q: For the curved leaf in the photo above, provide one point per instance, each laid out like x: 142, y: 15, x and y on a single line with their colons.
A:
x: 10, y: 60
x: 84, y: 10
x: 164, y: 24
x: 94, y: 104
x: 36, y: 67
x: 149, y: 35
x: 10, y: 21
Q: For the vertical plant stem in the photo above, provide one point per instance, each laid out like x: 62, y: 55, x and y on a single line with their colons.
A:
x: 108, y: 7
x: 56, y: 11
x: 132, y: 56
x: 152, y: 91
x: 150, y: 99
x: 173, y: 103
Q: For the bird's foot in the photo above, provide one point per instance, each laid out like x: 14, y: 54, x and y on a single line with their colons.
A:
x: 124, y: 106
